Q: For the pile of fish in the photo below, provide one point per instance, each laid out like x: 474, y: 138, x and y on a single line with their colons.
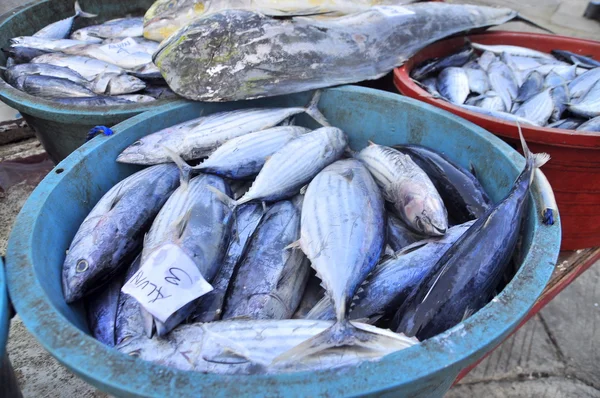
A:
x: 107, y: 64
x: 249, y: 51
x: 309, y: 255
x: 558, y: 90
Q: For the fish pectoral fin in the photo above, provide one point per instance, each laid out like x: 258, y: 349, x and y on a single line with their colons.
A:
x: 313, y: 111
x: 219, y: 349
x: 344, y: 334
x: 303, y: 189
x: 294, y: 245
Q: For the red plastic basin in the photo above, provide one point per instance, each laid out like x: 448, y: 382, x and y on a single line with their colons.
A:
x: 574, y: 171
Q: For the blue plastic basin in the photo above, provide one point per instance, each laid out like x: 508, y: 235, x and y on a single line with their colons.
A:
x: 53, y: 212
x: 63, y: 128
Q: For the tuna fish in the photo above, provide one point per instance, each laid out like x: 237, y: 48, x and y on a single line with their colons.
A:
x: 206, y: 133
x: 101, y: 310
x: 295, y: 164
x: 244, y: 156
x: 250, y: 347
x: 198, y: 223
x: 512, y: 50
x: 93, y: 101
x: 592, y: 125
x: 116, y: 84
x: 478, y: 80
x: 15, y: 71
x: 270, y: 280
x: 582, y: 83
x: 112, y: 232
x: 241, y: 54
x: 503, y: 82
x: 453, y: 84
x: 533, y: 85
x: 436, y: 65
x: 589, y: 103
x: 342, y: 234
x: 54, y: 87
x: 393, y: 280
x: 122, y: 27
x: 62, y: 28
x: 245, y: 222
x: 87, y: 67
x: 408, y: 188
x: 462, y: 193
x: 466, y: 276
x: 577, y: 59
x: 538, y: 108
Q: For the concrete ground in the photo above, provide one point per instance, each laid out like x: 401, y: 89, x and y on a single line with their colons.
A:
x: 556, y: 354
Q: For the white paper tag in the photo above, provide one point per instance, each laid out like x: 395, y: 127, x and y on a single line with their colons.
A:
x: 393, y: 11
x: 167, y: 280
x: 124, y: 47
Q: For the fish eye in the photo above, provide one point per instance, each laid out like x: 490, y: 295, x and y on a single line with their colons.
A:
x: 135, y: 354
x: 137, y: 143
x: 82, y: 266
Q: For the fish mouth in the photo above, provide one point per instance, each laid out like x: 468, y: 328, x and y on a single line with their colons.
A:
x: 439, y: 231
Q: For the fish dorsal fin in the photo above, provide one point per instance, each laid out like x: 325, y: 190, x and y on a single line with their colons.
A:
x: 181, y: 222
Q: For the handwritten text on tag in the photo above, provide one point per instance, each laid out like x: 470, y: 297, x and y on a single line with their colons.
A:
x: 167, y: 280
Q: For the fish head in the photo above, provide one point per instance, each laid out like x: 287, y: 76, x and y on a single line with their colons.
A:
x: 85, y: 266
x: 150, y: 149
x: 131, y: 83
x: 424, y: 212
x: 165, y: 17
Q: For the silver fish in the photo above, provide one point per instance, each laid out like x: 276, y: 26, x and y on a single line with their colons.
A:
x: 538, y: 108
x: 478, y: 80
x: 342, y: 234
x: 568, y: 124
x: 270, y: 280
x: 165, y: 17
x: 198, y: 223
x: 589, y: 103
x: 393, y: 279
x: 148, y: 45
x: 245, y: 156
x: 500, y: 115
x: 139, y: 98
x: 512, y: 50
x: 123, y: 59
x: 209, y: 132
x: 62, y: 28
x: 54, y: 87
x: 492, y: 102
x: 295, y: 164
x: 517, y: 73
x: 525, y: 63
x: 582, y: 83
x: 15, y: 71
x: 560, y: 99
x: 245, y: 222
x: 532, y: 86
x: 40, y: 43
x: 113, y: 230
x: 250, y: 347
x: 254, y: 58
x: 430, y: 84
x: 592, y: 125
x: 453, y: 83
x: 85, y: 66
x: 122, y: 27
x: 129, y: 322
x: 111, y: 84
x: 502, y: 81
x: 408, y: 188
x: 486, y: 59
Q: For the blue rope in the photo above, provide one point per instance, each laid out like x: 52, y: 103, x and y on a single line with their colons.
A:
x: 97, y: 130
x: 548, y: 217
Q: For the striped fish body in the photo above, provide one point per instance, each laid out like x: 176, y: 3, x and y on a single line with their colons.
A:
x: 296, y: 164
x: 244, y: 156
x: 204, y: 135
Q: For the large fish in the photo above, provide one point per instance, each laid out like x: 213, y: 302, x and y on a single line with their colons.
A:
x: 436, y: 65
x: 87, y: 67
x: 199, y: 137
x: 165, y: 17
x: 116, y: 84
x: 408, y: 188
x: 62, y: 28
x: 393, y: 280
x: 16, y: 71
x: 453, y: 83
x: 270, y: 280
x: 466, y: 276
x: 54, y: 87
x: 99, y: 100
x: 40, y: 43
x: 342, y: 234
x: 461, y: 192
x: 113, y: 230
x: 115, y: 28
x: 245, y: 221
x: 235, y: 54
x: 589, y: 103
x: 295, y: 164
x: 198, y: 223
x: 250, y: 347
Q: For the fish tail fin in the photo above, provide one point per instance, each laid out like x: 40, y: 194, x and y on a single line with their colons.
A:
x: 232, y: 204
x: 344, y: 333
x: 80, y: 13
x: 313, y: 110
x: 538, y: 159
x: 185, y: 169
x: 527, y: 21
